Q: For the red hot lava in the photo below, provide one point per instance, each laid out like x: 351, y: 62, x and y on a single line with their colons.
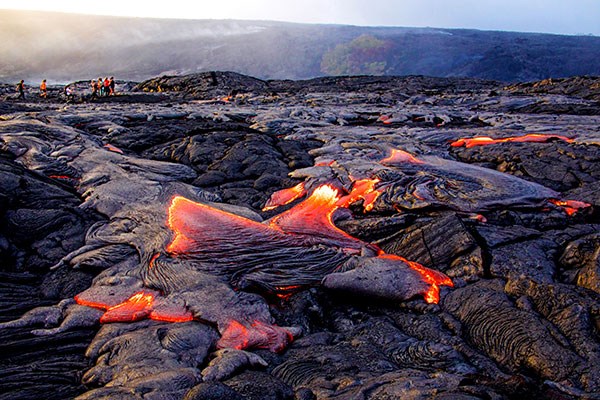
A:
x: 400, y: 156
x: 285, y: 196
x: 484, y: 140
x: 257, y: 335
x: 112, y: 148
x: 198, y: 228
x: 570, y: 206
x: 141, y: 305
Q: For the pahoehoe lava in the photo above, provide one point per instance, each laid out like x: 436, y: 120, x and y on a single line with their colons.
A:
x: 333, y: 238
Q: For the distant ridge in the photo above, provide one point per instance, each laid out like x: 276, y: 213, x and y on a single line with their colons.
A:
x: 67, y: 47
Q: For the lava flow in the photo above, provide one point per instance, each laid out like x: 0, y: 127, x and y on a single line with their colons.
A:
x: 570, y: 206
x: 113, y: 148
x: 257, y: 335
x: 484, y: 140
x: 400, y: 156
x: 314, y: 217
x: 285, y: 196
x: 362, y: 189
x: 434, y: 278
x: 141, y: 305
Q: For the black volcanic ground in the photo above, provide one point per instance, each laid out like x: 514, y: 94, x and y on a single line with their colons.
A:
x: 83, y: 208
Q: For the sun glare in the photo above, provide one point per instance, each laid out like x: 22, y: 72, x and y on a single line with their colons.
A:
x: 154, y: 9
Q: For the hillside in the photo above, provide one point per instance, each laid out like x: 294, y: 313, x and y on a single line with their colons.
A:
x: 63, y: 47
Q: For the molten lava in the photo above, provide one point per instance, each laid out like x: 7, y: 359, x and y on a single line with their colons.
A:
x: 257, y: 335
x: 362, y: 189
x: 570, y: 206
x: 285, y: 196
x: 400, y: 156
x: 484, y: 140
x: 386, y: 119
x: 434, y: 278
x: 135, y: 308
x: 189, y: 220
x: 112, y: 148
x: 313, y: 217
x: 142, y: 305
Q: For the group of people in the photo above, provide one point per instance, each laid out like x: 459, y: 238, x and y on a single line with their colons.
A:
x: 104, y: 87
x: 101, y: 87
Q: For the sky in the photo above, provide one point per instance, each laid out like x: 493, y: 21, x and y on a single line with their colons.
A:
x: 549, y: 16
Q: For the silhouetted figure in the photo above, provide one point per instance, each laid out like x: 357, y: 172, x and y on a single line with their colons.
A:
x: 94, y: 86
x: 213, y: 77
x: 43, y: 89
x: 21, y: 89
x: 112, y: 86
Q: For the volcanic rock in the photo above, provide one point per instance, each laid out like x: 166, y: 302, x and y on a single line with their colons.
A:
x: 215, y: 235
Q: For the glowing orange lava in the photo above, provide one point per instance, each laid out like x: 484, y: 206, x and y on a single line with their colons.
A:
x: 434, y: 278
x: 325, y: 163
x: 285, y: 196
x: 151, y: 263
x: 314, y: 217
x: 400, y: 156
x: 386, y: 119
x: 140, y: 306
x: 135, y: 308
x: 64, y: 177
x: 257, y: 335
x: 362, y: 189
x: 285, y: 292
x: 112, y: 148
x: 187, y: 216
x: 484, y: 140
x: 570, y: 206
x: 90, y: 303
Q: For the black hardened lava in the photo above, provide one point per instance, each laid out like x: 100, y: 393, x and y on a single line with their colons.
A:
x: 216, y: 236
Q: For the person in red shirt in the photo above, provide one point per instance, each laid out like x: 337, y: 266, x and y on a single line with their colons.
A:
x: 106, y: 86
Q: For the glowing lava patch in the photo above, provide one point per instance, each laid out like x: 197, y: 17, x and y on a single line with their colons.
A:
x: 570, y: 206
x: 434, y: 278
x: 313, y: 217
x: 112, y: 148
x: 257, y: 335
x: 362, y: 189
x: 285, y: 196
x: 400, y: 156
x: 142, y: 305
x: 484, y: 140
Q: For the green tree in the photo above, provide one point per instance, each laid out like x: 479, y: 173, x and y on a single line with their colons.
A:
x: 364, y: 55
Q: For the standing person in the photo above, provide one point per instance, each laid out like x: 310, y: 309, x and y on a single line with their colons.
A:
x: 101, y: 87
x: 69, y: 93
x: 21, y: 89
x: 112, y: 86
x: 94, y: 86
x: 43, y: 89
x: 106, y: 86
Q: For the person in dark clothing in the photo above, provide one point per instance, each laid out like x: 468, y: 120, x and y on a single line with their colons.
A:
x: 112, y: 86
x: 94, y: 86
x: 21, y: 89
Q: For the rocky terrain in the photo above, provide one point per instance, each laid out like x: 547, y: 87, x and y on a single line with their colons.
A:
x: 219, y: 236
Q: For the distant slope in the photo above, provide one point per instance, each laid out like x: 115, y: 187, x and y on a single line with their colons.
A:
x: 63, y: 47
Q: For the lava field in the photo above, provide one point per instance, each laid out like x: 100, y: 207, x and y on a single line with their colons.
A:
x: 216, y: 236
